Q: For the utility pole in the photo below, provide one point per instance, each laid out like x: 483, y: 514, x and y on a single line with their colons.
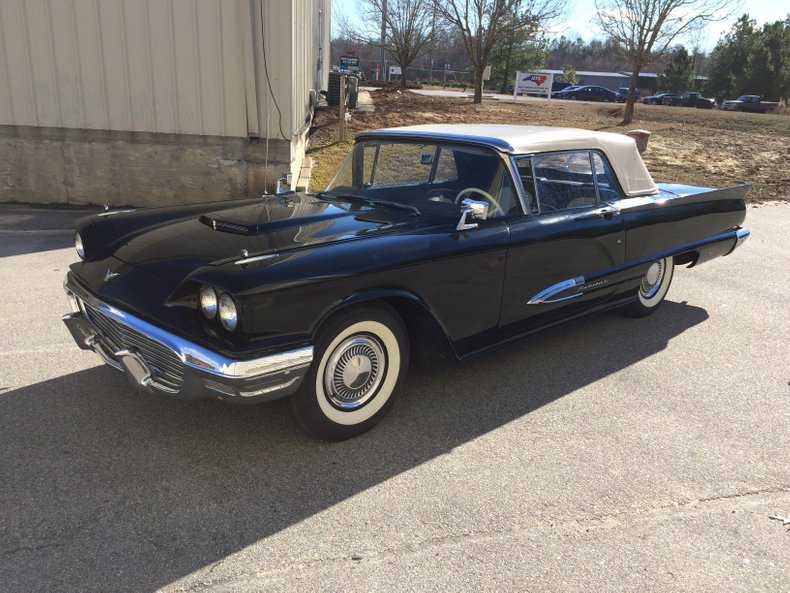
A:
x: 341, y: 131
x: 383, y: 33
x: 433, y: 41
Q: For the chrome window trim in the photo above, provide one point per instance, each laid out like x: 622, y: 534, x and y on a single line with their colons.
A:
x: 609, y: 170
x: 590, y: 152
x: 512, y: 170
x: 442, y: 144
x: 595, y: 177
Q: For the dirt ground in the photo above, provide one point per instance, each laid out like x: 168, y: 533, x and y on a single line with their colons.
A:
x: 692, y: 146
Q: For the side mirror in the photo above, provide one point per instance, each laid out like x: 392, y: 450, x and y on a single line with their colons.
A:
x: 462, y: 224
x: 284, y: 184
x: 479, y: 208
x: 471, y: 209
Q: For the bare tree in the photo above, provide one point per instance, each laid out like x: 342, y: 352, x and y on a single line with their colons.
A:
x: 405, y: 26
x: 482, y: 23
x: 645, y: 29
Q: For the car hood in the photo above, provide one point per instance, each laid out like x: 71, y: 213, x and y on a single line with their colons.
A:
x: 222, y: 232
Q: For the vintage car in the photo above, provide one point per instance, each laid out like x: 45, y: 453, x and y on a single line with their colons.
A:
x: 459, y: 236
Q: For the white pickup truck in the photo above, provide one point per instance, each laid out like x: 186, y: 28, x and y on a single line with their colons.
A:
x: 751, y: 103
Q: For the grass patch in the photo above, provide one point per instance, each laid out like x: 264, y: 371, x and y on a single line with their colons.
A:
x: 693, y: 146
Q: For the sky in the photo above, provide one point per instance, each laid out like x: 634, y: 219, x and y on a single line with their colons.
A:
x: 579, y: 19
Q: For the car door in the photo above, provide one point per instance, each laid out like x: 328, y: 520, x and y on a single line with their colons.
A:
x: 563, y: 253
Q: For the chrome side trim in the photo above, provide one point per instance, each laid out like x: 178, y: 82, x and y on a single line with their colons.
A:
x: 545, y: 296
x: 114, y: 212
x: 249, y: 260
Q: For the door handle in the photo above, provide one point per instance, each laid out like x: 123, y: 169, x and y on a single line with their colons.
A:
x: 607, y: 212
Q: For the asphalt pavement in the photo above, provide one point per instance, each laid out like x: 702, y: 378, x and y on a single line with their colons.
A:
x: 609, y: 455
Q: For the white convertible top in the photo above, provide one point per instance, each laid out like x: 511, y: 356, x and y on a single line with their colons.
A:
x: 619, y: 148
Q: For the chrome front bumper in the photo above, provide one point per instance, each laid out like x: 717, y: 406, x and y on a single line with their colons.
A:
x: 157, y: 360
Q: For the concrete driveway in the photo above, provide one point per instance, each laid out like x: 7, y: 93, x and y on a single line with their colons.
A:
x: 609, y: 455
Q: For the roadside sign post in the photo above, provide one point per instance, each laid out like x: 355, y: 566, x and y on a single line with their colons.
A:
x: 349, y: 64
x: 533, y: 83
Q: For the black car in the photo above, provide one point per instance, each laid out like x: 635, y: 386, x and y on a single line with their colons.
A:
x: 587, y: 93
x: 622, y: 94
x: 659, y: 99
x: 560, y: 93
x: 428, y: 237
x: 691, y: 99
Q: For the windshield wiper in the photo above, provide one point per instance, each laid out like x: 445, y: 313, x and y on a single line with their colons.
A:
x: 371, y: 202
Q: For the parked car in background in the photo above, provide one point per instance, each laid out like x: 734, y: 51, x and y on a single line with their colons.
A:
x: 751, y: 103
x: 622, y: 94
x: 462, y: 237
x: 659, y: 99
x: 588, y: 93
x: 691, y: 99
x: 560, y: 94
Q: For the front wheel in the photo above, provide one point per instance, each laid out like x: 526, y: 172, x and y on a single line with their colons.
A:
x: 653, y: 288
x: 361, y: 359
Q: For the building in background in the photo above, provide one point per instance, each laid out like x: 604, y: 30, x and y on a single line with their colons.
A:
x: 153, y: 102
x: 611, y: 80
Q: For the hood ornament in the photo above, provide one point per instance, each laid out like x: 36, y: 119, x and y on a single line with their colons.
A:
x: 109, y: 275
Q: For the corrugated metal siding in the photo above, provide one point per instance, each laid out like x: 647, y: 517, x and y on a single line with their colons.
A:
x: 311, y: 41
x: 211, y: 67
x: 173, y: 66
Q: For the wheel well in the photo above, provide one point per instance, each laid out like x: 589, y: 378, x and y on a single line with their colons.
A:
x: 427, y: 339
x: 690, y: 258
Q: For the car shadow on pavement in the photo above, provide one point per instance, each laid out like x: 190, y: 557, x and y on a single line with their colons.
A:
x: 107, y: 488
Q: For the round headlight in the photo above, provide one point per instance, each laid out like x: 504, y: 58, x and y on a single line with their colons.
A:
x: 227, y: 312
x: 78, y: 246
x: 208, y: 301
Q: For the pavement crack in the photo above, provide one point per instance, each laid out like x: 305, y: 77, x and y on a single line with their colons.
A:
x: 30, y: 548
x: 602, y: 520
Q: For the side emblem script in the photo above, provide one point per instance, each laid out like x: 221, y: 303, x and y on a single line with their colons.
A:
x: 109, y: 275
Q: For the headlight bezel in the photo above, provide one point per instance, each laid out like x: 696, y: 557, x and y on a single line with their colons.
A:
x: 206, y: 294
x: 79, y: 246
x: 228, y: 311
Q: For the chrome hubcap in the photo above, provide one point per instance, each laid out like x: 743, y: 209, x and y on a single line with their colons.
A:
x: 354, y: 371
x: 651, y: 281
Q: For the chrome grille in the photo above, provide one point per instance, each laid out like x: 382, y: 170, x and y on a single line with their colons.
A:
x: 165, y: 364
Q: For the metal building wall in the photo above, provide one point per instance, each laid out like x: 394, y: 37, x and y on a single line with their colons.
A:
x: 152, y: 102
x: 303, y: 27
x: 173, y: 66
x: 209, y: 67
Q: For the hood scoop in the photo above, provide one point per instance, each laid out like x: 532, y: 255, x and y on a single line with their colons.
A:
x: 227, y: 226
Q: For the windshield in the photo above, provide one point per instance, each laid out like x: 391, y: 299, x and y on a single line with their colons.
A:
x: 432, y: 177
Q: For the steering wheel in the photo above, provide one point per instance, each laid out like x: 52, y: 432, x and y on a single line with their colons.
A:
x: 482, y: 192
x: 440, y: 194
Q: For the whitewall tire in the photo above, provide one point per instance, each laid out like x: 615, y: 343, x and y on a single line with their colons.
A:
x: 653, y: 288
x: 361, y: 359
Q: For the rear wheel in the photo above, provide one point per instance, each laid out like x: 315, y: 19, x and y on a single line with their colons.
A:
x: 361, y: 359
x: 653, y: 288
